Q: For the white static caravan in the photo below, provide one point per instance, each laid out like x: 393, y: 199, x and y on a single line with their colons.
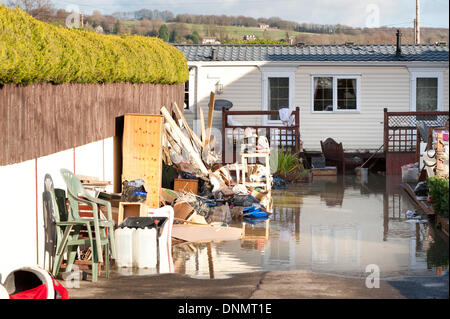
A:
x: 341, y: 90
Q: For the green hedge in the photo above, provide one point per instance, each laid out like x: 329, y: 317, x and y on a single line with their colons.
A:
x: 32, y: 51
x: 439, y: 190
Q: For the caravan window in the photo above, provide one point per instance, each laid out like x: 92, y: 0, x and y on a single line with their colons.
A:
x: 278, y: 94
x: 323, y: 94
x: 335, y: 93
x: 426, y: 90
x: 426, y: 94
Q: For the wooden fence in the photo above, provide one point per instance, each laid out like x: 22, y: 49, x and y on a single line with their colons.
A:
x: 401, y: 138
x: 282, y: 136
x: 42, y: 119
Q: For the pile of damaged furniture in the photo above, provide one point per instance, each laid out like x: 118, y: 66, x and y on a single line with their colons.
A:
x: 172, y: 189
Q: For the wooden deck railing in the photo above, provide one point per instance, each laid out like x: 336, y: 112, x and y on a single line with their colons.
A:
x: 283, y: 136
x: 401, y: 136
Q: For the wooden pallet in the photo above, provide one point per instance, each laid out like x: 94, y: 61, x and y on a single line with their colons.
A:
x: 326, y: 171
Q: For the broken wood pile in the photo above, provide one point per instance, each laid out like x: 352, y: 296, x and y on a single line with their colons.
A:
x: 225, y: 198
x: 185, y: 149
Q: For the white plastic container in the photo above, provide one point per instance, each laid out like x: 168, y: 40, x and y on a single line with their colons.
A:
x: 144, y: 248
x: 124, y: 246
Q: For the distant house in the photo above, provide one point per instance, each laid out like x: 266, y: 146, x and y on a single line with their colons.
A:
x: 249, y: 37
x: 341, y: 90
x: 210, y: 40
x: 99, y: 29
x: 264, y: 26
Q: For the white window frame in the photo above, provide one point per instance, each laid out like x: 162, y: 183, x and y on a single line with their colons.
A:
x: 265, y: 91
x: 427, y: 73
x: 335, y: 77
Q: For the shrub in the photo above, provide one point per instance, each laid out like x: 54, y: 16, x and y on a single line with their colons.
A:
x: 32, y: 51
x: 439, y: 190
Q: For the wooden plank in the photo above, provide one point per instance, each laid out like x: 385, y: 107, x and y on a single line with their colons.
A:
x: 194, y: 136
x: 326, y: 171
x: 185, y: 141
x: 142, y: 152
x: 426, y: 207
x: 212, y: 98
x: 202, y: 125
x: 195, y: 233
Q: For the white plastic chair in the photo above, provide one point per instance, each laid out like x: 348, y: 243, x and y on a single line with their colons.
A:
x: 165, y: 238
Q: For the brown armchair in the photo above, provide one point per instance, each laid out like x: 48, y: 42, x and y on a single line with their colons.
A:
x: 334, y: 152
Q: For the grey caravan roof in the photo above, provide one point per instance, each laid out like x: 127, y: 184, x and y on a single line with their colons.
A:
x: 315, y: 53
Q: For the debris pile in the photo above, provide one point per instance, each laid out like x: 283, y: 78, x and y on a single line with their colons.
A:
x: 223, y: 195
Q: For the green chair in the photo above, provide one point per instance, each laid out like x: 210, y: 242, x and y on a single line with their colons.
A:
x: 77, y: 194
x: 67, y: 232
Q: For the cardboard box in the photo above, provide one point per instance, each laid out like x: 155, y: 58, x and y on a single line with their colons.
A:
x: 186, y: 185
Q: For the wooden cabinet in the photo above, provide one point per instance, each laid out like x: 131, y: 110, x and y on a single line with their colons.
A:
x: 142, y: 152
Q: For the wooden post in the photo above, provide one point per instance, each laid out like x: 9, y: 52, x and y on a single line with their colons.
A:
x: 297, y: 130
x: 202, y: 125
x: 212, y: 98
x: 224, y: 130
x: 386, y: 130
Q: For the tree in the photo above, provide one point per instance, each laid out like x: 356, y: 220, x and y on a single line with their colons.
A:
x: 164, y: 33
x: 39, y: 9
x: 195, y: 37
x: 175, y: 37
x: 117, y: 28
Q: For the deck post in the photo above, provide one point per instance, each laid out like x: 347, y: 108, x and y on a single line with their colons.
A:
x: 297, y: 131
x: 386, y: 130
x: 224, y: 134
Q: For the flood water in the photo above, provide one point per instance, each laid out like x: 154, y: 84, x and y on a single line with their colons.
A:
x: 334, y: 225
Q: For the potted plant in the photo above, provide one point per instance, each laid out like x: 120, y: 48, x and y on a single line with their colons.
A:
x: 290, y: 167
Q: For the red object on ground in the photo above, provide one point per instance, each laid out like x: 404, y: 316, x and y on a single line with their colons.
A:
x: 39, y: 292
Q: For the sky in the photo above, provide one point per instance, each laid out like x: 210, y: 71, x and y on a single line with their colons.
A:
x: 362, y: 13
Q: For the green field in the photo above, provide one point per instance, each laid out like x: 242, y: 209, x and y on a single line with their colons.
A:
x: 237, y: 33
x: 233, y: 33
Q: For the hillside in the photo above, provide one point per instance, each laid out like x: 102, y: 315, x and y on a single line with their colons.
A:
x: 191, y: 28
x: 227, y: 34
x: 382, y: 35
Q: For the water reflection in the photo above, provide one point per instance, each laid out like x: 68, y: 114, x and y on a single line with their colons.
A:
x: 337, y: 224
